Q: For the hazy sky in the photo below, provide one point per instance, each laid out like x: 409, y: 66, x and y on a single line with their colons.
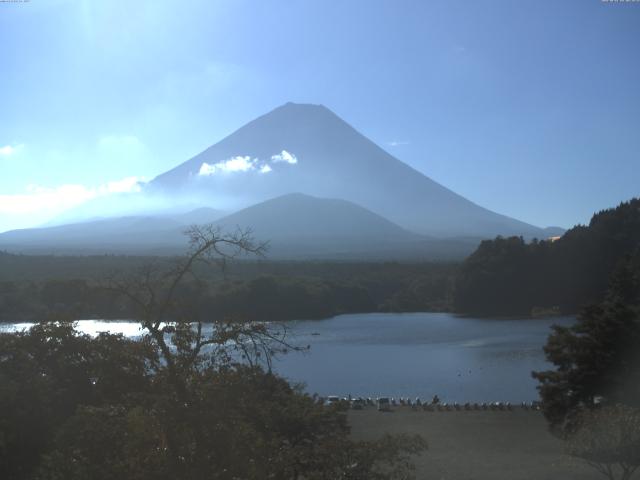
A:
x: 531, y: 109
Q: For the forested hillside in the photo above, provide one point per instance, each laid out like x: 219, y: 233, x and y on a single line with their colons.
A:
x: 50, y: 287
x: 508, y: 276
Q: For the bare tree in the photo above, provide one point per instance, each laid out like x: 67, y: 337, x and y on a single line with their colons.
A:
x: 608, y: 440
x: 165, y: 317
x: 183, y: 343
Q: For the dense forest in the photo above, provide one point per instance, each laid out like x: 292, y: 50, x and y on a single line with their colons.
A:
x: 508, y: 276
x: 51, y: 287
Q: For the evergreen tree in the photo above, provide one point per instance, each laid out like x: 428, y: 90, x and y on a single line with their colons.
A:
x: 598, y: 359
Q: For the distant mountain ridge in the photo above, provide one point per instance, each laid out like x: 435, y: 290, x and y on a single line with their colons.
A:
x: 302, y: 226
x: 134, y: 234
x: 296, y: 215
x: 297, y: 226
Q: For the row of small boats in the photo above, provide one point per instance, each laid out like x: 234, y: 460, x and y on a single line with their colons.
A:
x: 385, y: 403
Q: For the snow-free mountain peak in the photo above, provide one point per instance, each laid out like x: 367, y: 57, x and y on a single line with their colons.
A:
x: 309, y: 149
x: 301, y: 216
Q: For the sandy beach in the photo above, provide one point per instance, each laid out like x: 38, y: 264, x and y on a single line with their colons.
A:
x: 477, y: 445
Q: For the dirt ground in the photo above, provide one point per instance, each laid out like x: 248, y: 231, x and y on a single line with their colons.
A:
x: 477, y: 445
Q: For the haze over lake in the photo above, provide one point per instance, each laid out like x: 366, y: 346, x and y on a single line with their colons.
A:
x: 415, y: 354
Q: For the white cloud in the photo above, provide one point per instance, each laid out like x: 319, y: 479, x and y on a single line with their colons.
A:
x: 43, y: 199
x: 244, y: 163
x: 284, y: 156
x: 115, y: 157
x: 8, y: 150
x: 206, y: 169
x: 38, y: 204
x: 238, y: 164
x: 396, y: 143
x: 234, y: 164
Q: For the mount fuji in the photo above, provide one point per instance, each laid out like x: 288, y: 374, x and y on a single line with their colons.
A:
x: 308, y: 149
x: 301, y: 177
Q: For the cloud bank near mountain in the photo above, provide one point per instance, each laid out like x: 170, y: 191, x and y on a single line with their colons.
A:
x: 37, y: 203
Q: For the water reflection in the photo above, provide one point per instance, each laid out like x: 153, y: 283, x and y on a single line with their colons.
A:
x: 421, y: 354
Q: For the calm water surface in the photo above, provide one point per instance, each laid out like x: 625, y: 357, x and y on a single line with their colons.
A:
x: 417, y: 354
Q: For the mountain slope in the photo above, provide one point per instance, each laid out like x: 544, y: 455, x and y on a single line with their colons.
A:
x: 309, y: 149
x: 134, y: 234
x: 299, y: 226
x: 299, y: 216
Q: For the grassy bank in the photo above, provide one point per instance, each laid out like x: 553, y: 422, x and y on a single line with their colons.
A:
x: 478, y: 445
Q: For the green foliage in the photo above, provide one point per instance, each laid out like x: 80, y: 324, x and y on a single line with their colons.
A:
x: 45, y: 375
x: 508, y: 276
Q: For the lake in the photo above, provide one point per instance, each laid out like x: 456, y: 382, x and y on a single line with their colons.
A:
x: 407, y: 355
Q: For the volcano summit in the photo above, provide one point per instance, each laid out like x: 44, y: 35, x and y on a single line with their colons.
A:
x: 308, y: 149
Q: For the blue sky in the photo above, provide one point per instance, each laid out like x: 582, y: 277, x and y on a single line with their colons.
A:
x: 529, y: 108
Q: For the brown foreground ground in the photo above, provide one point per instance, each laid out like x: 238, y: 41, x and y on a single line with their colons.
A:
x: 477, y: 445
